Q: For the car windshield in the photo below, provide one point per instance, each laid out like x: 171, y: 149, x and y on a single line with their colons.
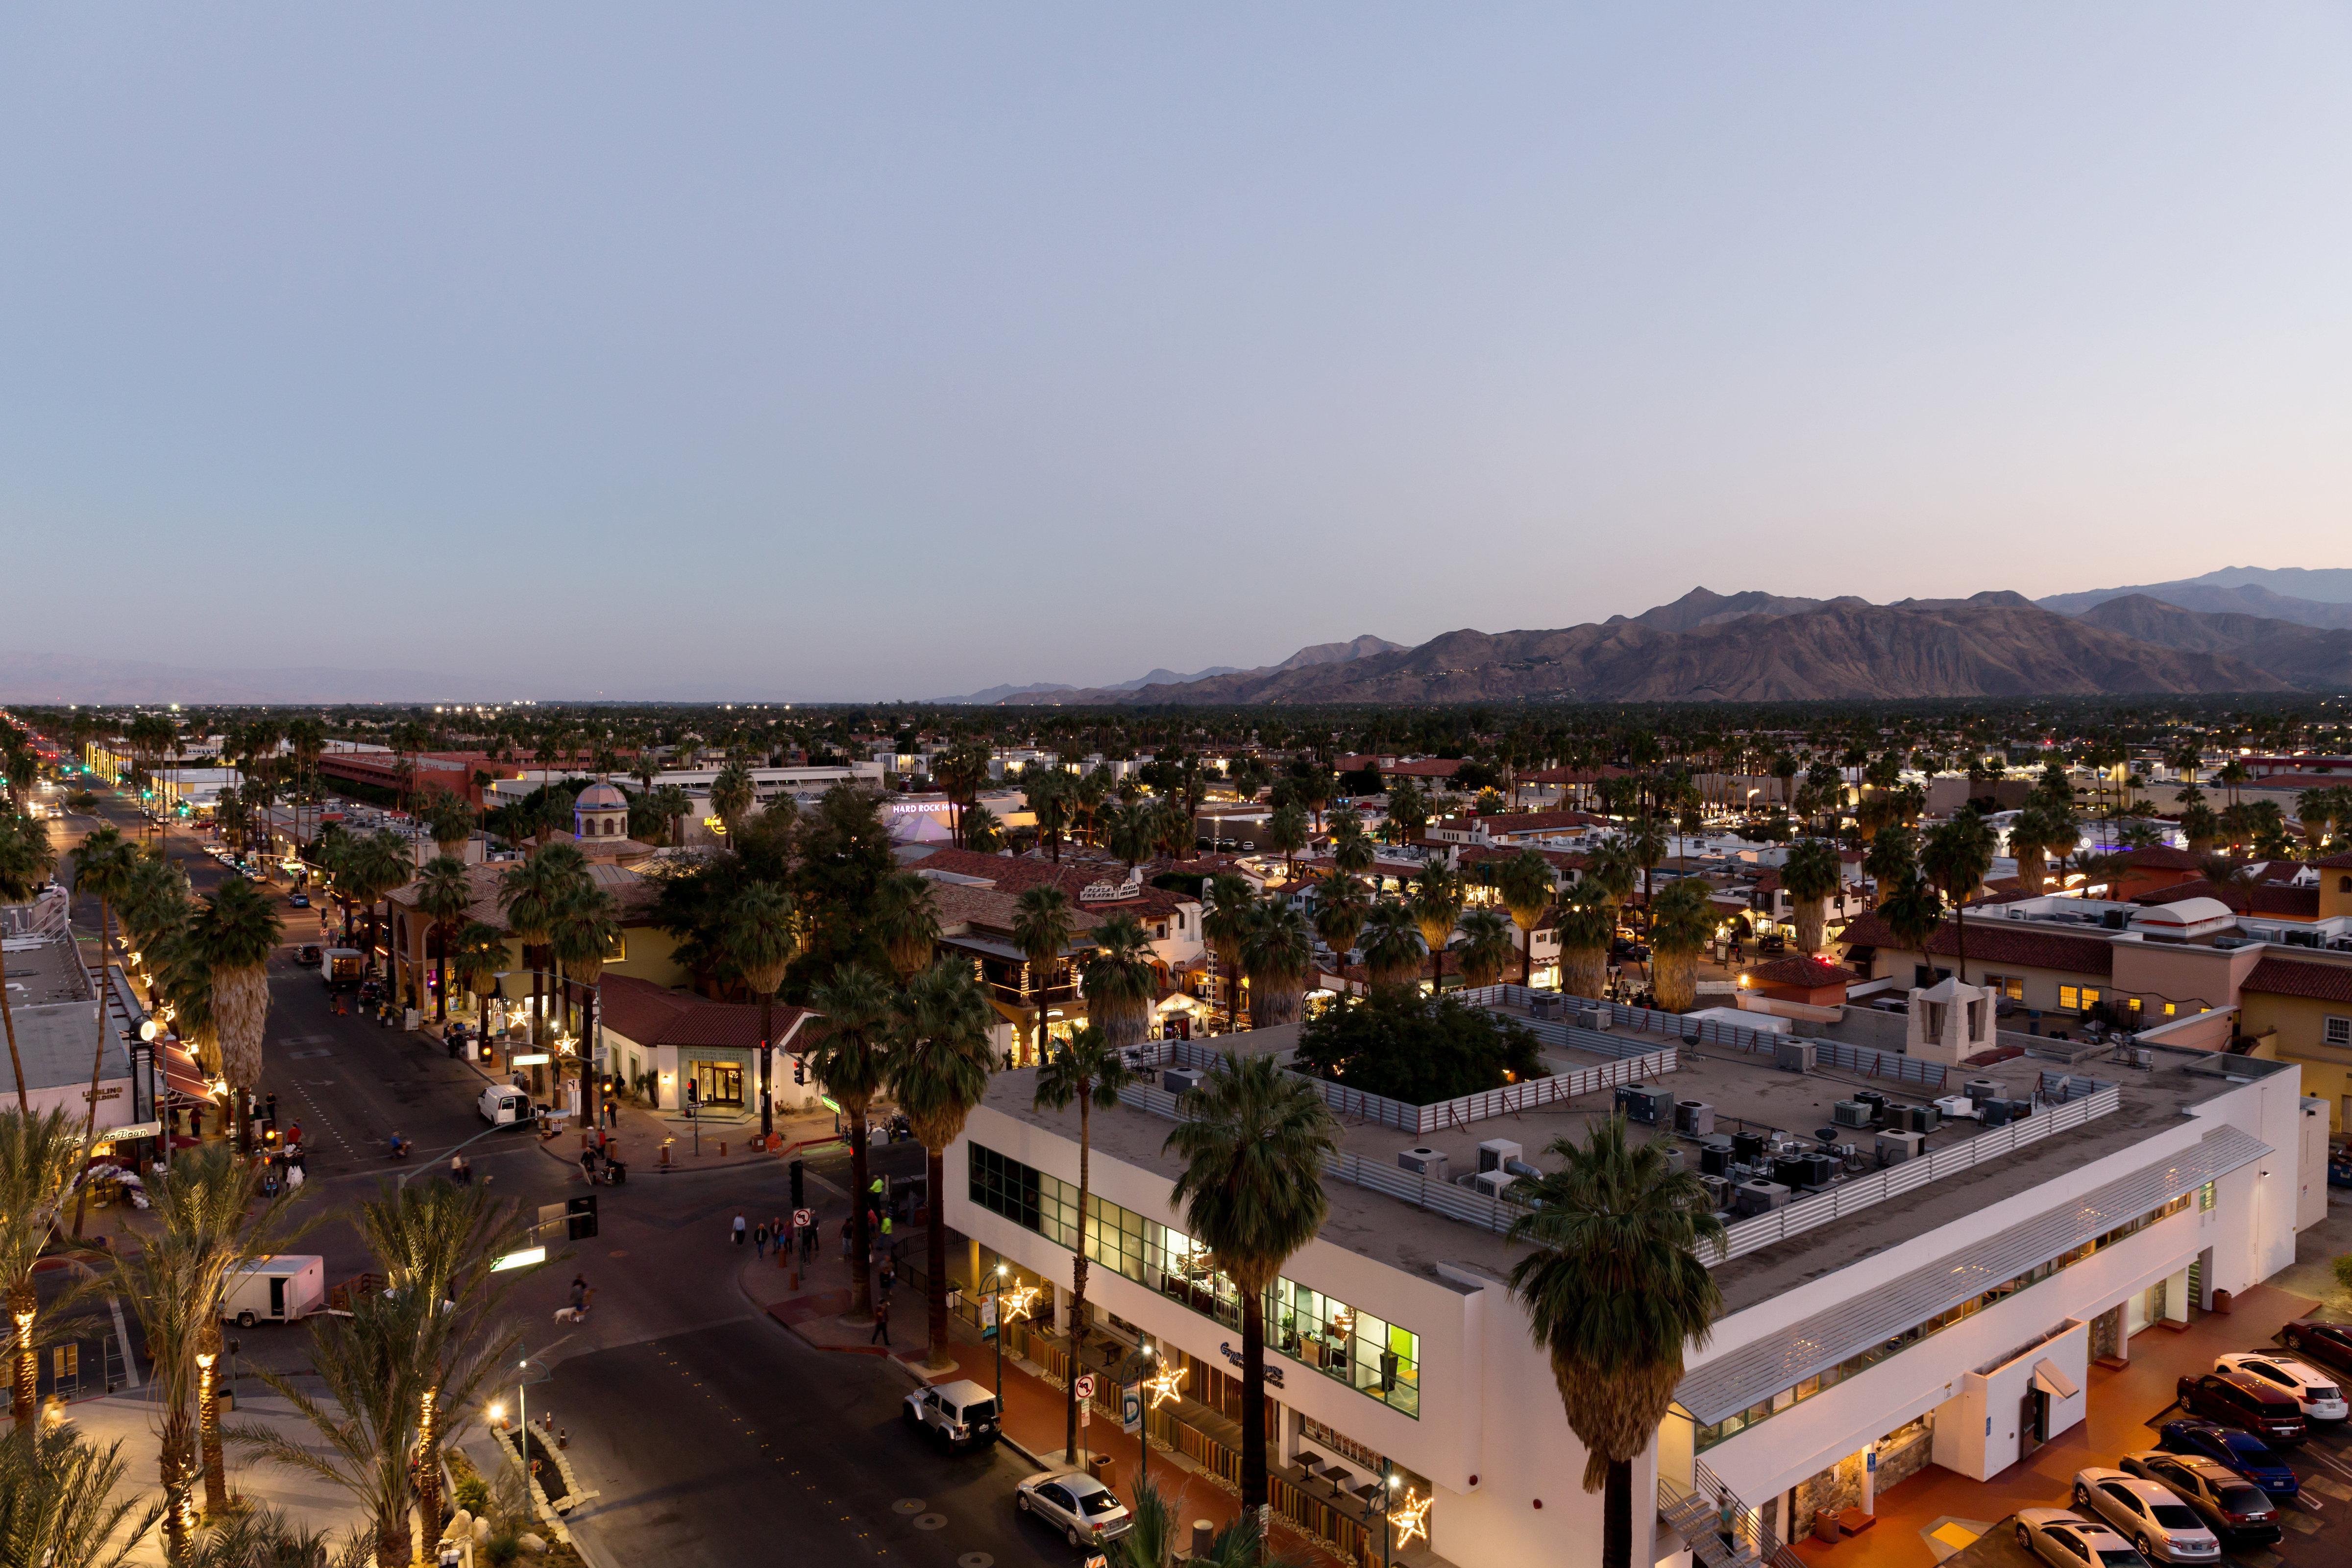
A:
x: 2120, y: 1557
x: 2173, y: 1516
x: 2244, y: 1499
x: 1099, y: 1504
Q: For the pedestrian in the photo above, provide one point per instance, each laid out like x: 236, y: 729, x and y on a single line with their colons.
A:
x: 1726, y: 1520
x: 848, y: 1238
x: 760, y: 1240
x: 881, y: 1322
x: 588, y: 1166
x: 612, y: 1113
x: 809, y: 1242
x: 889, y: 1276
x: 739, y: 1230
x: 294, y: 1136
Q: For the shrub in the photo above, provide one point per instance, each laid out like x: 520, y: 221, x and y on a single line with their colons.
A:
x: 1416, y: 1049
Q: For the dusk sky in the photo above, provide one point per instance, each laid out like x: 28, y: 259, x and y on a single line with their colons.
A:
x: 888, y: 351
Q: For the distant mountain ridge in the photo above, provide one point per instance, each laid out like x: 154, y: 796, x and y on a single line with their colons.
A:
x: 1752, y: 647
x: 2311, y: 596
x: 2314, y: 657
x: 1047, y: 691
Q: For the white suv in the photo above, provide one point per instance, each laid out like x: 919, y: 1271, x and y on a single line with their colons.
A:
x: 2314, y: 1390
x: 960, y: 1414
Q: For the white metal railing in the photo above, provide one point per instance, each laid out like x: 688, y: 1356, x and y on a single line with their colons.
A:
x: 1850, y: 1197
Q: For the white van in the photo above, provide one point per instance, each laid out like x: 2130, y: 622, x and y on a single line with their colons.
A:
x: 502, y: 1105
x: 277, y: 1289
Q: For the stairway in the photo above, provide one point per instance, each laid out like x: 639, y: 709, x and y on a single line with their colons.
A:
x: 1690, y: 1512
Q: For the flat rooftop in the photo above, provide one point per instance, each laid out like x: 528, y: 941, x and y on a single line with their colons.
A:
x: 44, y: 970
x: 1746, y: 1092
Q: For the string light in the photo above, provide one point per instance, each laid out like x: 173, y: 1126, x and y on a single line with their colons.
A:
x: 1410, y: 1518
x: 1165, y: 1383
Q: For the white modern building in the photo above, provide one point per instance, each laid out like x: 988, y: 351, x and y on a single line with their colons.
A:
x: 1902, y: 1281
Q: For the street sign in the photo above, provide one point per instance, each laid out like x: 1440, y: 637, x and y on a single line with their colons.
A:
x: 1085, y: 1386
x: 803, y: 1216
x: 1130, y: 1409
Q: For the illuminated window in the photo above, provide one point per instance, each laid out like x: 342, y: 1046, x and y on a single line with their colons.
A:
x: 2077, y: 999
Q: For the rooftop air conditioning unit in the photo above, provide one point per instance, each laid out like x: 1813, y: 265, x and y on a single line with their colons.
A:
x: 1983, y: 1089
x: 2115, y: 920
x: 1642, y: 1103
x: 1748, y: 1147
x: 1795, y: 1056
x: 1180, y: 1080
x: 2300, y: 938
x: 1495, y: 1153
x: 1953, y: 1106
x: 1545, y: 1005
x: 1894, y: 1148
x: 1495, y: 1184
x: 1993, y: 1112
x: 1850, y: 1113
x: 1922, y: 1118
x: 1423, y: 1160
x: 1693, y: 1119
x: 1758, y: 1197
x: 1715, y: 1155
x: 1719, y: 1190
x: 1821, y: 1170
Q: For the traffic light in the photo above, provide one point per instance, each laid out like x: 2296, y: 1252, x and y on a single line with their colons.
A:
x: 580, y: 1218
x: 800, y: 1069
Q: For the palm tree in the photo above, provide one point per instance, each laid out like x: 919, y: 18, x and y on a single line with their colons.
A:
x: 444, y: 894
x: 1892, y: 855
x: 1086, y: 1070
x: 1681, y: 922
x: 103, y: 867
x: 670, y: 803
x: 377, y: 867
x: 586, y: 927
x: 1914, y: 911
x: 960, y: 773
x: 1253, y: 1195
x: 477, y: 953
x: 1118, y: 981
x: 235, y: 932
x: 903, y: 919
x: 1437, y: 903
x: 1341, y: 905
x: 1131, y: 833
x: 852, y: 1060
x: 38, y: 1157
x: 1810, y: 875
x: 938, y: 1071
x: 1526, y: 882
x: 1285, y: 830
x: 762, y: 939
x: 1391, y: 946
x: 1614, y: 1292
x: 1588, y: 924
x: 983, y: 834
x: 58, y: 1507
x: 1486, y: 954
x: 1044, y: 925
x: 1276, y: 956
x: 26, y: 862
x: 532, y: 893
x: 449, y: 820
x: 1957, y: 855
x: 1610, y: 869
x: 1223, y: 928
x: 732, y: 794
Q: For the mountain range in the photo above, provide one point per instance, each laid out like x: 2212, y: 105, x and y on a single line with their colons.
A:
x: 2311, y: 596
x: 1046, y: 691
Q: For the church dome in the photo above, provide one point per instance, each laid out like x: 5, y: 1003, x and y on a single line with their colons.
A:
x: 601, y: 797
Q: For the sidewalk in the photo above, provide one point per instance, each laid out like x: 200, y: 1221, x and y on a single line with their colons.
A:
x: 1034, y: 1408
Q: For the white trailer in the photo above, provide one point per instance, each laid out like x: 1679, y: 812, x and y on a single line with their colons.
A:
x: 277, y: 1289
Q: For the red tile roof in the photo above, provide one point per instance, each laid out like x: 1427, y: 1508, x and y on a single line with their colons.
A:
x: 2285, y: 903
x: 652, y: 1014
x: 2163, y: 857
x: 1800, y: 973
x: 1425, y: 768
x: 2300, y: 977
x: 1995, y: 942
x: 1017, y: 874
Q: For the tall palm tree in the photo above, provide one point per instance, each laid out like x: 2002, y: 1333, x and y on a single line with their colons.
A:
x: 763, y: 937
x: 586, y: 926
x: 1914, y: 910
x: 26, y: 862
x: 1392, y: 946
x: 904, y: 920
x: 235, y: 932
x: 1957, y: 855
x: 1609, y: 867
x: 1119, y: 984
x: 532, y: 893
x: 58, y: 1502
x: 103, y: 869
x: 852, y: 1058
x: 1253, y: 1195
x: 1341, y: 905
x: 732, y: 794
x: 377, y: 867
x: 1285, y: 830
x: 1437, y: 903
x: 1811, y: 874
x: 1044, y: 925
x: 1276, y: 955
x: 670, y: 803
x: 1526, y: 883
x: 39, y: 1156
x: 444, y: 894
x: 960, y: 773
x: 1588, y: 924
x: 477, y: 953
x: 1085, y: 1069
x: 1487, y: 951
x: 938, y: 1071
x: 1681, y: 923
x: 1224, y: 928
x: 1615, y: 1290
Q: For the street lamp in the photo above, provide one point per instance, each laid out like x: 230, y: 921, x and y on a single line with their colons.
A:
x: 1000, y: 1346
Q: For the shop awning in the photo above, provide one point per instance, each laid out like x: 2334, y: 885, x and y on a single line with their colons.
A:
x: 2052, y: 1381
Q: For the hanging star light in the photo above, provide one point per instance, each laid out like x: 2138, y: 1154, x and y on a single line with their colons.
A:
x: 1165, y: 1385
x: 1016, y: 1303
x: 1410, y: 1518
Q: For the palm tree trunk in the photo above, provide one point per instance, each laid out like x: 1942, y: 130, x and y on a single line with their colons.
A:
x: 767, y: 1050
x: 8, y: 1014
x: 24, y: 1303
x: 428, y: 1466
x: 97, y: 1060
x: 1617, y: 1516
x: 861, y: 1278
x: 441, y: 978
x: 1079, y: 1274
x: 178, y: 1466
x: 591, y: 1079
x: 1253, y: 1482
x: 935, y: 1250
x: 208, y: 1425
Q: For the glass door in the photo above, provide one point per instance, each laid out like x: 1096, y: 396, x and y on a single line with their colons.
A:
x: 719, y: 1083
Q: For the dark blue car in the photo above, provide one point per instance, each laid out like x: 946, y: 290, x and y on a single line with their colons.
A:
x: 2243, y: 1452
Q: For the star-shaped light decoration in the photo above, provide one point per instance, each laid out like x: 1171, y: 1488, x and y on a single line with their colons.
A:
x: 1165, y: 1385
x: 1016, y: 1303
x: 1410, y: 1518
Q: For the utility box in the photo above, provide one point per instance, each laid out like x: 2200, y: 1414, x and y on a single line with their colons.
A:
x: 1423, y: 1160
x: 1795, y: 1056
x: 1894, y: 1148
x: 1758, y: 1197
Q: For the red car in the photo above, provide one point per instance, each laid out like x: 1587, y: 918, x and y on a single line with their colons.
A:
x: 2323, y: 1344
x: 2245, y: 1401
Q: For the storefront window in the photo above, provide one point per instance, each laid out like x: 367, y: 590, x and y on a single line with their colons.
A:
x: 1368, y: 1354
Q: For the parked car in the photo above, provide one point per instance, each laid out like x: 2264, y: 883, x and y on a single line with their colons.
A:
x: 502, y: 1105
x: 2241, y: 1400
x: 2065, y: 1537
x: 308, y: 954
x: 2243, y: 1452
x: 2316, y: 1394
x: 298, y: 901
x: 2236, y: 1509
x: 2158, y: 1525
x: 960, y: 1414
x: 1086, y: 1512
x: 2321, y: 1343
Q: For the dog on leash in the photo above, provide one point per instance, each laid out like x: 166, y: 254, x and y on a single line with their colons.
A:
x: 570, y: 1314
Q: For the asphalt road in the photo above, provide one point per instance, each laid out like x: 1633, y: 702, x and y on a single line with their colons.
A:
x: 676, y: 1382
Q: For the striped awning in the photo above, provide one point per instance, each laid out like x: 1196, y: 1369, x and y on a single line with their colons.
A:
x: 1757, y: 1371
